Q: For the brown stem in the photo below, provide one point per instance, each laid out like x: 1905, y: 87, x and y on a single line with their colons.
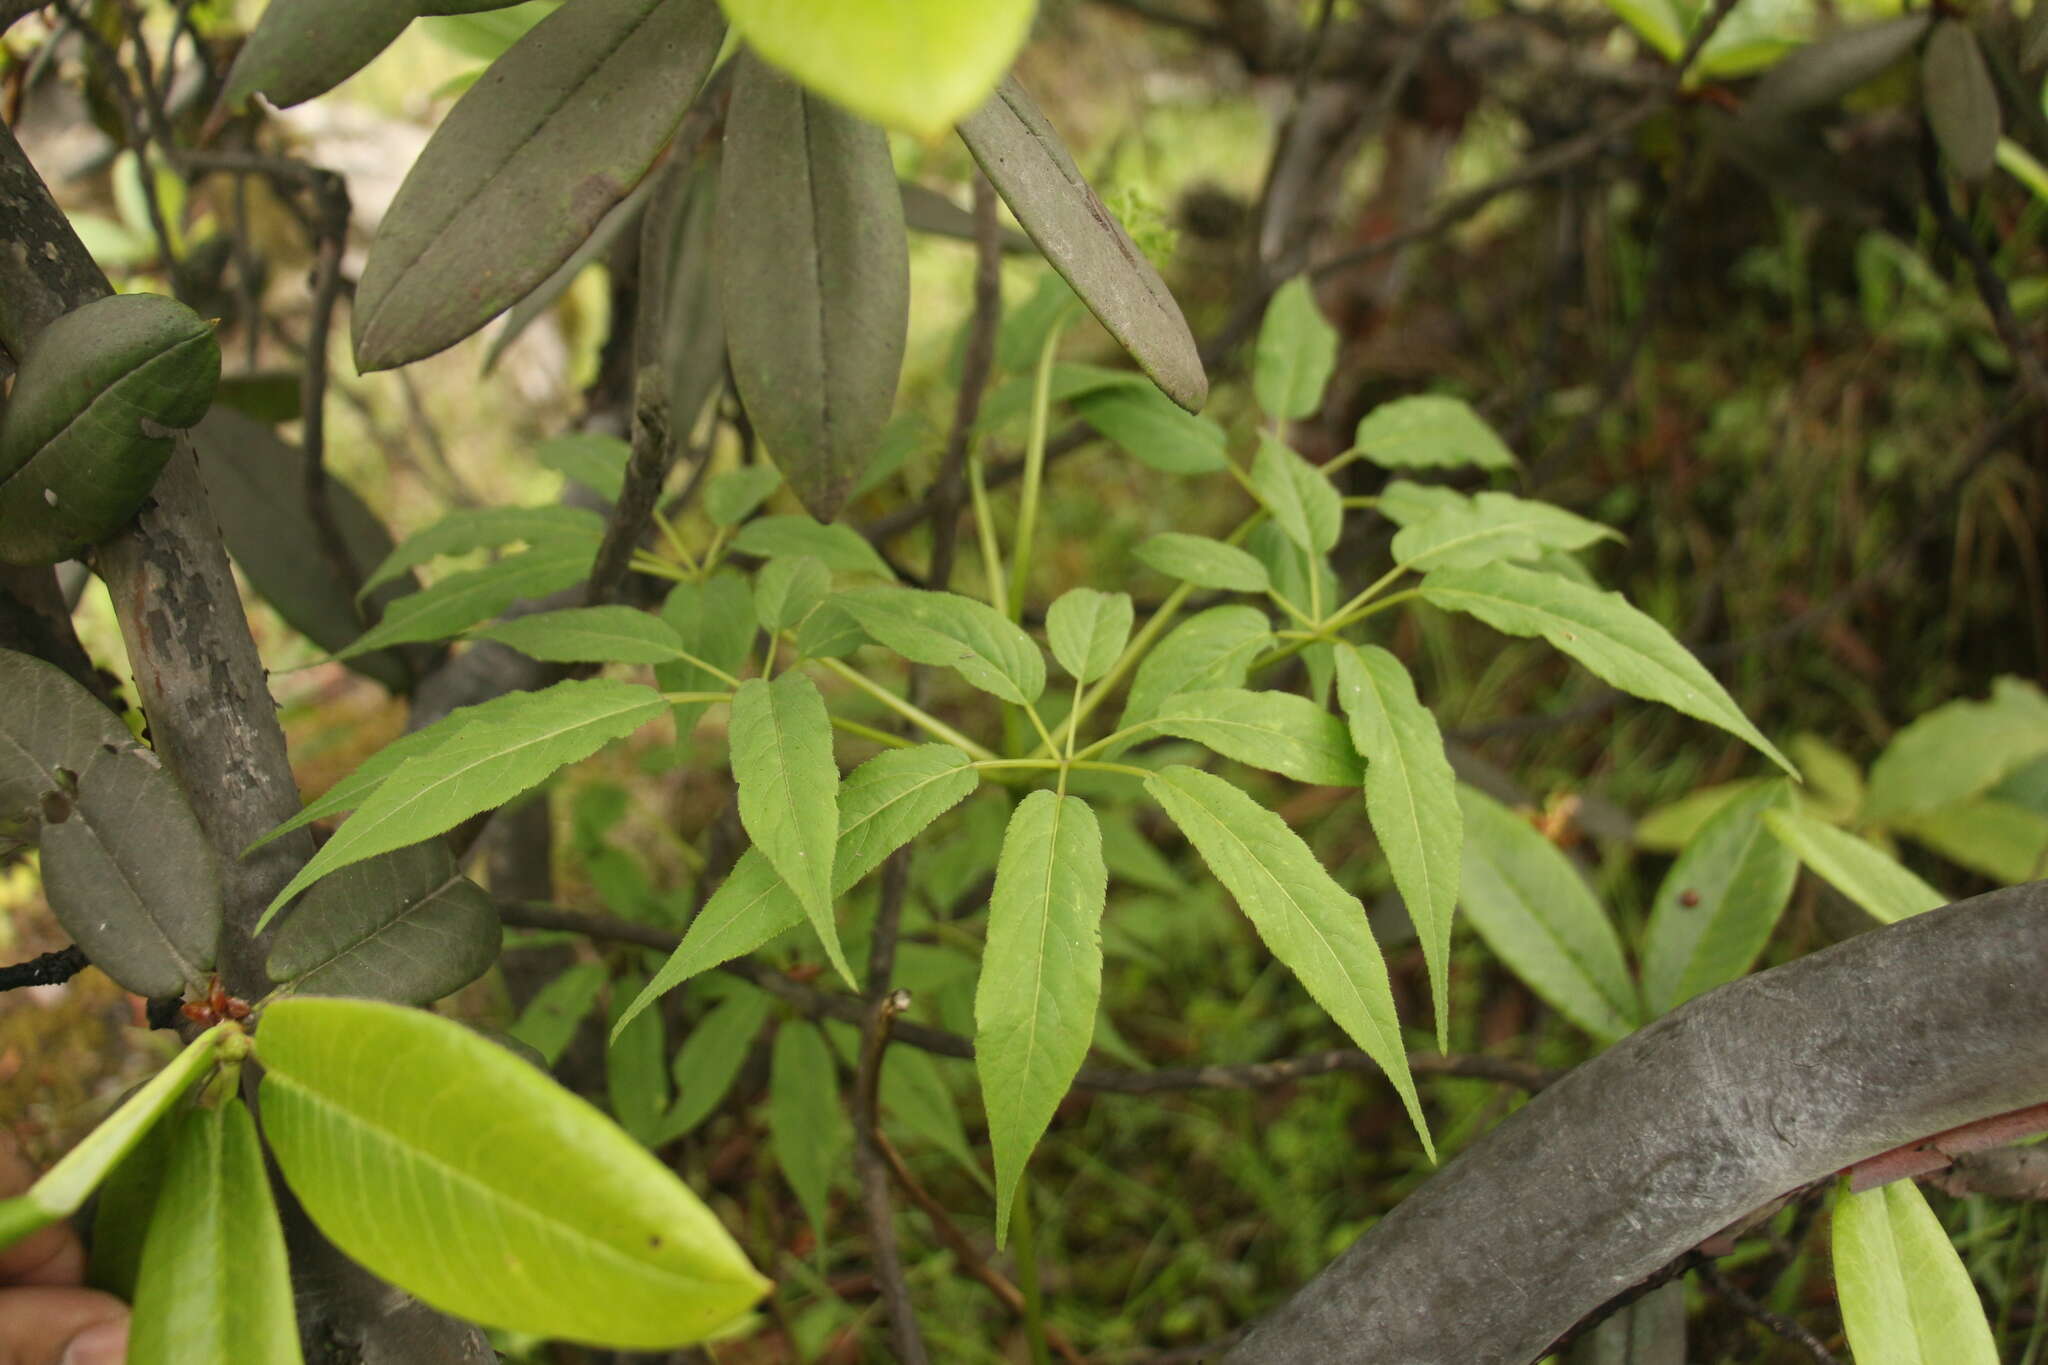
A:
x: 873, y: 1173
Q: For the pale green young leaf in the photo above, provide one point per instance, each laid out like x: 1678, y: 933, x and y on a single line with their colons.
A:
x: 121, y: 1213
x: 1535, y: 912
x: 1411, y: 797
x: 732, y: 495
x: 212, y: 1283
x: 1601, y: 631
x: 1429, y: 431
x: 709, y: 1061
x: 1313, y: 926
x: 788, y: 588
x: 1088, y: 630
x: 1296, y: 353
x: 1906, y: 1297
x: 1151, y: 429
x: 575, y: 635
x: 414, y: 1144
x: 1204, y: 562
x: 918, y: 66
x: 1670, y: 827
x: 2006, y: 842
x: 485, y: 762
x: 1657, y: 22
x: 1719, y: 902
x: 1957, y: 750
x: 558, y: 1009
x: 949, y: 631
x: 805, y: 1126
x: 715, y: 622
x: 839, y: 547
x: 1277, y: 731
x: 1855, y: 867
x: 59, y: 1191
x: 596, y: 462
x: 1493, y: 526
x: 789, y: 792
x: 1834, y: 783
x: 636, y: 1064
x: 1212, y: 648
x: 483, y: 528
x: 459, y: 601
x: 1041, y: 976
x: 1301, y: 501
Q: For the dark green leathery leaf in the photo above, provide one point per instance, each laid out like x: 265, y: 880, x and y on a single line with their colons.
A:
x: 814, y: 278
x: 1962, y: 103
x: 303, y: 48
x: 539, y: 150
x: 681, y: 331
x: 406, y: 926
x: 99, y: 398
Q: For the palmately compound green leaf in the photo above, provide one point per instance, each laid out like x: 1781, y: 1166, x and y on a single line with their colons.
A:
x: 1088, y: 630
x: 732, y: 495
x: 883, y: 804
x: 1296, y: 353
x: 525, y: 166
x: 213, y: 1283
x: 636, y: 1064
x: 1493, y: 526
x: 60, y: 1191
x: 789, y: 792
x: 947, y: 630
x: 551, y: 1019
x: 1409, y: 504
x: 459, y: 601
x: 1958, y: 750
x: 918, y: 66
x: 1153, y: 431
x: 1906, y: 1297
x: 486, y: 528
x: 1533, y: 909
x: 710, y: 1059
x: 787, y: 590
x: 804, y: 1122
x: 1277, y: 731
x: 917, y: 1096
x: 414, y: 1145
x: 1411, y: 797
x: 1204, y: 562
x: 1855, y: 867
x: 1430, y: 431
x: 840, y: 548
x: 1302, y: 502
x: 303, y: 48
x: 1041, y: 977
x: 1023, y: 158
x: 596, y: 461
x: 131, y: 876
x: 2006, y: 842
x: 1601, y: 631
x: 484, y: 762
x: 1962, y: 102
x: 406, y: 926
x: 1315, y: 927
x: 814, y: 279
x: 715, y: 622
x: 1719, y: 903
x: 574, y: 635
x: 1212, y: 648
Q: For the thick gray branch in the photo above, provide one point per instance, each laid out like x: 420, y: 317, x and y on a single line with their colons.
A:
x: 1744, y: 1094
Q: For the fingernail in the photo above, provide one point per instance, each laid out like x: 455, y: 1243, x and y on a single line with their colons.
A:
x: 103, y: 1343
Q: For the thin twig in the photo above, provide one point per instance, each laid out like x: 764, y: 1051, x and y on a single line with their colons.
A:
x: 873, y: 1172
x: 1990, y: 285
x: 50, y: 969
x: 1777, y: 1323
x: 654, y: 452
x: 331, y: 208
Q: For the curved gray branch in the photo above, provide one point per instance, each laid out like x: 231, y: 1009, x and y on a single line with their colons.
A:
x: 1707, y: 1114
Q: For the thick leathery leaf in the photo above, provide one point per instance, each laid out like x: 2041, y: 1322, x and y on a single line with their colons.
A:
x: 1830, y: 67
x: 1312, y: 925
x: 1411, y: 797
x: 1906, y: 1297
x: 804, y: 1123
x: 414, y: 1145
x: 636, y: 1064
x: 840, y: 548
x: 50, y: 726
x: 1536, y: 913
x: 782, y: 760
x: 256, y: 485
x: 90, y: 422
x: 610, y: 635
x: 406, y: 927
x: 626, y: 216
x: 1204, y: 562
x: 915, y: 65
x: 1719, y: 902
x: 680, y: 328
x: 130, y: 875
x: 457, y: 602
x: 814, y: 280
x: 1041, y: 977
x: 1855, y: 867
x: 213, y: 1284
x: 487, y: 528
x: 1296, y: 353
x: 929, y: 211
x: 1601, y: 631
x: 1212, y: 648
x: 1429, y: 431
x: 710, y: 1059
x: 1962, y: 103
x: 1277, y: 731
x: 1492, y: 526
x: 1303, y: 503
x: 59, y: 1191
x: 1088, y: 630
x: 1024, y: 159
x: 485, y: 762
x: 946, y: 630
x: 715, y: 621
x: 303, y: 48
x: 883, y: 804
x: 526, y: 165
x: 1153, y: 431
